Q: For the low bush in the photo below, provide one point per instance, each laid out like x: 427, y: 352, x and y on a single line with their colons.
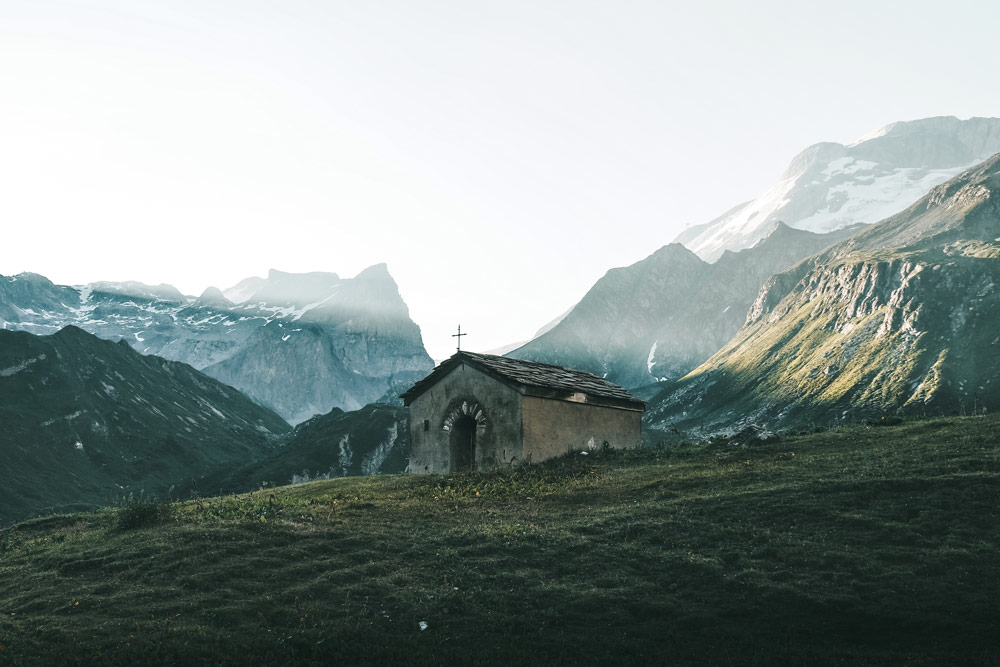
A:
x: 142, y: 513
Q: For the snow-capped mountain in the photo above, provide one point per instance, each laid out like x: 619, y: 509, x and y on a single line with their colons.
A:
x: 300, y: 344
x: 829, y: 185
x: 901, y: 318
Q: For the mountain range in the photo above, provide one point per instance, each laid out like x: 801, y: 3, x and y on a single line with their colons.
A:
x: 829, y: 185
x: 109, y: 390
x: 901, y: 318
x: 299, y: 344
x: 659, y: 318
x: 87, y: 421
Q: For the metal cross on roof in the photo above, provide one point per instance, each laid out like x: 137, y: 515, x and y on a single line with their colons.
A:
x: 459, y: 337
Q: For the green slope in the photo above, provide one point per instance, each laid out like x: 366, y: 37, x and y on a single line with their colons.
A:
x: 902, y: 318
x: 861, y: 546
x: 371, y: 441
x: 84, y: 421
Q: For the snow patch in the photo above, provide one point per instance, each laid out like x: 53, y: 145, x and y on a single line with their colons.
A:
x: 307, y: 308
x: 847, y: 165
x: 17, y: 368
x: 875, y: 198
x: 652, y: 353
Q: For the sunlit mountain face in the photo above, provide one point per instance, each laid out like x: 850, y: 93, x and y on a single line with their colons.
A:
x: 901, y: 318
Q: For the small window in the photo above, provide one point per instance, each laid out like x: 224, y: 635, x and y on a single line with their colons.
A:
x: 427, y: 424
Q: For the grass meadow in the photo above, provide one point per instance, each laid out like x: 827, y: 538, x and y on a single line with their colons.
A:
x: 864, y: 545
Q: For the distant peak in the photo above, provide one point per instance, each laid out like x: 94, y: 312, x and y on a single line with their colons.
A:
x: 780, y: 230
x: 275, y: 274
x: 779, y: 226
x: 71, y: 331
x: 214, y: 295
x: 375, y: 271
x: 673, y: 251
x: 33, y: 277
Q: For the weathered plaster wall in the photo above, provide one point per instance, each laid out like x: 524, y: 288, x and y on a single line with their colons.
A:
x: 498, y: 436
x: 553, y: 427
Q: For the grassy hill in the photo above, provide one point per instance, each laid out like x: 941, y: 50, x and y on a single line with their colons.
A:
x: 84, y: 420
x: 865, y: 545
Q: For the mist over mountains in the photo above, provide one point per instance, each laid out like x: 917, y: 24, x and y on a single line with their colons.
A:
x: 829, y: 185
x: 299, y: 344
x: 114, y: 388
x: 661, y: 317
x: 901, y: 318
x: 658, y: 319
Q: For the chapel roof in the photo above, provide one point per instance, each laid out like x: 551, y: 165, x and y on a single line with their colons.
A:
x: 558, y: 382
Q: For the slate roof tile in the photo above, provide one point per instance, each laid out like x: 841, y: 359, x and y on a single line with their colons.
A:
x: 529, y: 374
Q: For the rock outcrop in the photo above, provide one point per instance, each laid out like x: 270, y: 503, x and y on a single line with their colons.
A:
x: 900, y: 318
x: 300, y: 344
x: 659, y: 318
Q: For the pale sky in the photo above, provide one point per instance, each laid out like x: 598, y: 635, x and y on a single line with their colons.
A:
x: 500, y: 157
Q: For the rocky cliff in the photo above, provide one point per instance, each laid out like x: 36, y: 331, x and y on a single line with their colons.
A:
x: 900, y: 318
x: 300, y: 344
x: 661, y: 317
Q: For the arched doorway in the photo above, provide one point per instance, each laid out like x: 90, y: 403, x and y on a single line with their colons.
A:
x: 463, y: 444
x: 465, y: 424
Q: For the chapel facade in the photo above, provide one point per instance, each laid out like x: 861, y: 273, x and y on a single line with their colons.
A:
x: 480, y: 411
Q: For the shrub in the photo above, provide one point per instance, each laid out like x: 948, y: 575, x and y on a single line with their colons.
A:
x: 142, y: 513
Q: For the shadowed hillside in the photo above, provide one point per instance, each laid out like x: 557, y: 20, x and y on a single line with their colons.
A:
x: 86, y: 421
x: 867, y: 545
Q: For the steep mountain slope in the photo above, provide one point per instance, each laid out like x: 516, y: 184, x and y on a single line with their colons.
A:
x: 662, y: 316
x: 371, y: 441
x: 353, y: 341
x: 829, y: 185
x: 903, y: 317
x: 297, y: 343
x: 85, y: 420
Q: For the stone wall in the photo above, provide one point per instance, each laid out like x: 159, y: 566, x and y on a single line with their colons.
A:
x: 553, y: 427
x: 465, y: 392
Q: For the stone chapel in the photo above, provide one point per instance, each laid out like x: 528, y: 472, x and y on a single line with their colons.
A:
x: 479, y: 411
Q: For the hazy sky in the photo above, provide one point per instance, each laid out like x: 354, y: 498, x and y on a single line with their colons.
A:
x: 499, y: 156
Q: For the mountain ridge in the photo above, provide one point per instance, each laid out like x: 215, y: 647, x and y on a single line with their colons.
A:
x: 662, y: 316
x: 899, y: 318
x: 830, y: 185
x: 86, y: 420
x: 360, y: 327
